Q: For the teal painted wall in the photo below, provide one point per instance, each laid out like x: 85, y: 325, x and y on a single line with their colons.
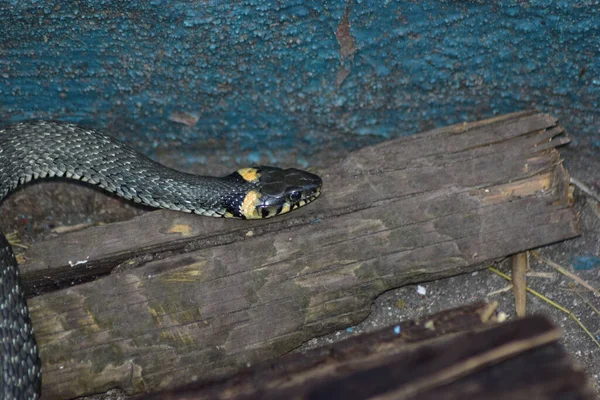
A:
x: 261, y: 77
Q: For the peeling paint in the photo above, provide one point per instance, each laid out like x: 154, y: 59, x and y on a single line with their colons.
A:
x: 264, y: 78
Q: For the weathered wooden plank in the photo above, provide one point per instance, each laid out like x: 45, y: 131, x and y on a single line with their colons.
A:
x: 457, y: 158
x: 543, y: 373
x: 426, y: 359
x: 218, y: 294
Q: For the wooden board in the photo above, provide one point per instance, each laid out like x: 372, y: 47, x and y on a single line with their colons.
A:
x: 203, y: 296
x: 421, y: 359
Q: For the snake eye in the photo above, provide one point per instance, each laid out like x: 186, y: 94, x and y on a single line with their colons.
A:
x: 294, y: 196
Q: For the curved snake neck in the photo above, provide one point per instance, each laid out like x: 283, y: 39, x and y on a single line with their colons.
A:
x: 33, y: 150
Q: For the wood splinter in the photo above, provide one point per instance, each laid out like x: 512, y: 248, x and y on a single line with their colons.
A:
x: 519, y: 269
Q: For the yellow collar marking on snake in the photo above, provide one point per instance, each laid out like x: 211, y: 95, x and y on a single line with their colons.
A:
x: 249, y: 174
x: 249, y: 207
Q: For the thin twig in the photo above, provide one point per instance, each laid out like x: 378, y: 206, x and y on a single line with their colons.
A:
x: 563, y: 271
x: 71, y: 228
x: 585, y: 188
x: 545, y: 275
x: 587, y: 302
x: 501, y: 290
x: 519, y: 269
x: 556, y: 305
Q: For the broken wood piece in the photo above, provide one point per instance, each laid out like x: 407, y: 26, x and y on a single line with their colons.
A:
x: 199, y: 296
x: 519, y: 269
x: 518, y: 359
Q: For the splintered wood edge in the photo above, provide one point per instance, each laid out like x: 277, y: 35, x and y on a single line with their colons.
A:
x: 521, y: 188
x: 470, y: 125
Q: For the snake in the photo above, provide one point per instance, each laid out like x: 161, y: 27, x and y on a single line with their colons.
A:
x: 34, y: 150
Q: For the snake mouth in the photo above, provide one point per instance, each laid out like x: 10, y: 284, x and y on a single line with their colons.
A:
x: 272, y: 210
x: 287, y: 190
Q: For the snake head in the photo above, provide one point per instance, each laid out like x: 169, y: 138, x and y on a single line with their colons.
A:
x: 277, y: 191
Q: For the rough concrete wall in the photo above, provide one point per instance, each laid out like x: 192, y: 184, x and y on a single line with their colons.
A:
x: 260, y: 77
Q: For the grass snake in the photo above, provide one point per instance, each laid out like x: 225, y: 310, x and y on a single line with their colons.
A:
x: 40, y: 149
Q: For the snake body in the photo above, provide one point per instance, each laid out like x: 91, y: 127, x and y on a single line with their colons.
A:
x: 40, y: 149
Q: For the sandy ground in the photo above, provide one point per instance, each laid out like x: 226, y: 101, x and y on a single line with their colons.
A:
x: 37, y: 211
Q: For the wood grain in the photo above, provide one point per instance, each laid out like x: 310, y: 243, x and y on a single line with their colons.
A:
x: 197, y: 296
x: 447, y: 355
